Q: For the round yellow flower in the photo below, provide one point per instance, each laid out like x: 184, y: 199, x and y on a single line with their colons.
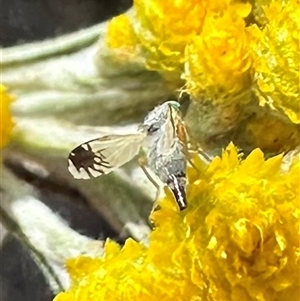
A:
x: 276, y: 52
x: 162, y: 29
x: 217, y: 61
x: 237, y: 240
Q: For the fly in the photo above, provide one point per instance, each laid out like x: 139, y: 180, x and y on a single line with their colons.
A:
x: 161, y: 136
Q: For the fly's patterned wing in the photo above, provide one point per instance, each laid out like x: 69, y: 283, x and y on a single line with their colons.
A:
x: 103, y: 155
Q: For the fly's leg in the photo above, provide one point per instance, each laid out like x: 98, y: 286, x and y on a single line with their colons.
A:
x: 188, y: 154
x: 203, y: 154
x: 187, y: 148
x: 143, y: 164
x: 197, y: 158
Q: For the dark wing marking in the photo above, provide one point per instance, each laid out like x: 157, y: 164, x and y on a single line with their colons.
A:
x: 103, y: 155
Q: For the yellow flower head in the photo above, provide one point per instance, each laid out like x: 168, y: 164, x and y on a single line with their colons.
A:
x: 217, y: 61
x: 276, y: 53
x: 165, y: 28
x: 162, y: 29
x: 6, y: 123
x: 237, y: 240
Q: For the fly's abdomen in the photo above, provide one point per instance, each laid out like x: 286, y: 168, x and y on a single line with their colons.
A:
x: 177, y: 184
x: 169, y: 165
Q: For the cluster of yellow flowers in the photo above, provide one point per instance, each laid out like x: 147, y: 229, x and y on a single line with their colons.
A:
x: 238, y: 240
x: 276, y: 58
x: 161, y: 31
x: 219, y: 50
x: 6, y: 123
x: 239, y: 237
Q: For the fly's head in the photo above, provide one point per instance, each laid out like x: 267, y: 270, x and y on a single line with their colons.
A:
x: 156, y: 120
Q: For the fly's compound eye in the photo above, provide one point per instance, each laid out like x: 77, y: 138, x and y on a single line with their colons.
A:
x: 153, y: 128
